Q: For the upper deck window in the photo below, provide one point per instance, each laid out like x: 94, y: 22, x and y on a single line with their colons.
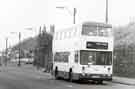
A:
x: 96, y: 30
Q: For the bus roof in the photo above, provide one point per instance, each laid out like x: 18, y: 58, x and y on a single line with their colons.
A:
x: 88, y: 23
x: 97, y: 24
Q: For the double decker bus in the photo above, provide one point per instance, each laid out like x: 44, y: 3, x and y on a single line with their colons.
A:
x: 84, y: 52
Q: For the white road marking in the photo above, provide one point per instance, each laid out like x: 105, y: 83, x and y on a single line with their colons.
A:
x: 69, y: 86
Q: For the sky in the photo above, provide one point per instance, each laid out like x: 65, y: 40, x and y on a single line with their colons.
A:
x: 18, y: 15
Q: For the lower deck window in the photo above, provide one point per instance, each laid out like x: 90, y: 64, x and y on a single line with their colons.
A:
x: 76, y: 56
x: 61, y: 57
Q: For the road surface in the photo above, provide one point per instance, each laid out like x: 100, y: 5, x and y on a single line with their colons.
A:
x: 26, y: 77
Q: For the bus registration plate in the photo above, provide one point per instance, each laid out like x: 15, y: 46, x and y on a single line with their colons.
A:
x: 95, y: 76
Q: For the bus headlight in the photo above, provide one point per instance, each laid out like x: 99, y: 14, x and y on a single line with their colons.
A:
x: 109, y: 75
x: 83, y: 69
x: 83, y: 74
x: 109, y: 69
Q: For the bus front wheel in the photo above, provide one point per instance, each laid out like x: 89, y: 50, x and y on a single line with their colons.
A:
x: 70, y: 75
x: 100, y: 82
x: 56, y: 73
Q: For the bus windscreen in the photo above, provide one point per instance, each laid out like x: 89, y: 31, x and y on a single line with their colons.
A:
x: 95, y: 57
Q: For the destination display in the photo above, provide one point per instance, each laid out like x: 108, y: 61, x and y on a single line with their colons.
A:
x: 97, y: 45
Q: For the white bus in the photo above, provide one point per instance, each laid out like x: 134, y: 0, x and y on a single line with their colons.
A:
x: 84, y: 51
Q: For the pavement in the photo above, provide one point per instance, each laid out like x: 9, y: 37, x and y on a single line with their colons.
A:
x: 124, y: 80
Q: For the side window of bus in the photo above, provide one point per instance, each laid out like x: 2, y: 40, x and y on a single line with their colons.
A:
x: 60, y: 35
x: 61, y: 57
x: 76, y: 56
x: 69, y: 34
x: 63, y: 35
x: 56, y: 57
x: 56, y: 36
x: 66, y: 34
x: 72, y: 34
x: 75, y: 31
x: 66, y: 56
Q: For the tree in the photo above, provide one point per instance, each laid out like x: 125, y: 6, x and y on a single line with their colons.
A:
x: 43, y: 50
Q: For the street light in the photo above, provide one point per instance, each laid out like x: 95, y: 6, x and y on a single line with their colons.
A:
x: 72, y: 13
x: 33, y: 29
x: 19, y: 34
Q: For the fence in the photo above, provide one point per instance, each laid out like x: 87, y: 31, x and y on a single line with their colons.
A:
x: 124, y: 61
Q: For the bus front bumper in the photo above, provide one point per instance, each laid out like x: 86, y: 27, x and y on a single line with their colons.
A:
x: 94, y: 77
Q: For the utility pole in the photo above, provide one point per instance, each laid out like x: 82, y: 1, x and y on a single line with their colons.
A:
x: 74, y: 15
x: 6, y: 58
x: 40, y: 31
x: 19, y: 61
x: 106, y: 12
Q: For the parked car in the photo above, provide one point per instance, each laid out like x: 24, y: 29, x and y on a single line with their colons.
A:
x: 30, y: 61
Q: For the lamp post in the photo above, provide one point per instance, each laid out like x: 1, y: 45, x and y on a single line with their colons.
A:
x: 106, y: 20
x: 73, y: 13
x: 19, y: 62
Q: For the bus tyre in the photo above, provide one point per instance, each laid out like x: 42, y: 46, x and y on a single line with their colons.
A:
x: 56, y: 73
x: 70, y: 76
x: 100, y: 82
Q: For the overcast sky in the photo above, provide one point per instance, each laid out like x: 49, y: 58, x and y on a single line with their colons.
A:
x: 16, y: 15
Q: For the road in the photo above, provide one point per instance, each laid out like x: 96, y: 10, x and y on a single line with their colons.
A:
x: 27, y: 77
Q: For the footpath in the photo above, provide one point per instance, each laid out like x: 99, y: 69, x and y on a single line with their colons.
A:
x: 124, y: 80
x: 25, y: 69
